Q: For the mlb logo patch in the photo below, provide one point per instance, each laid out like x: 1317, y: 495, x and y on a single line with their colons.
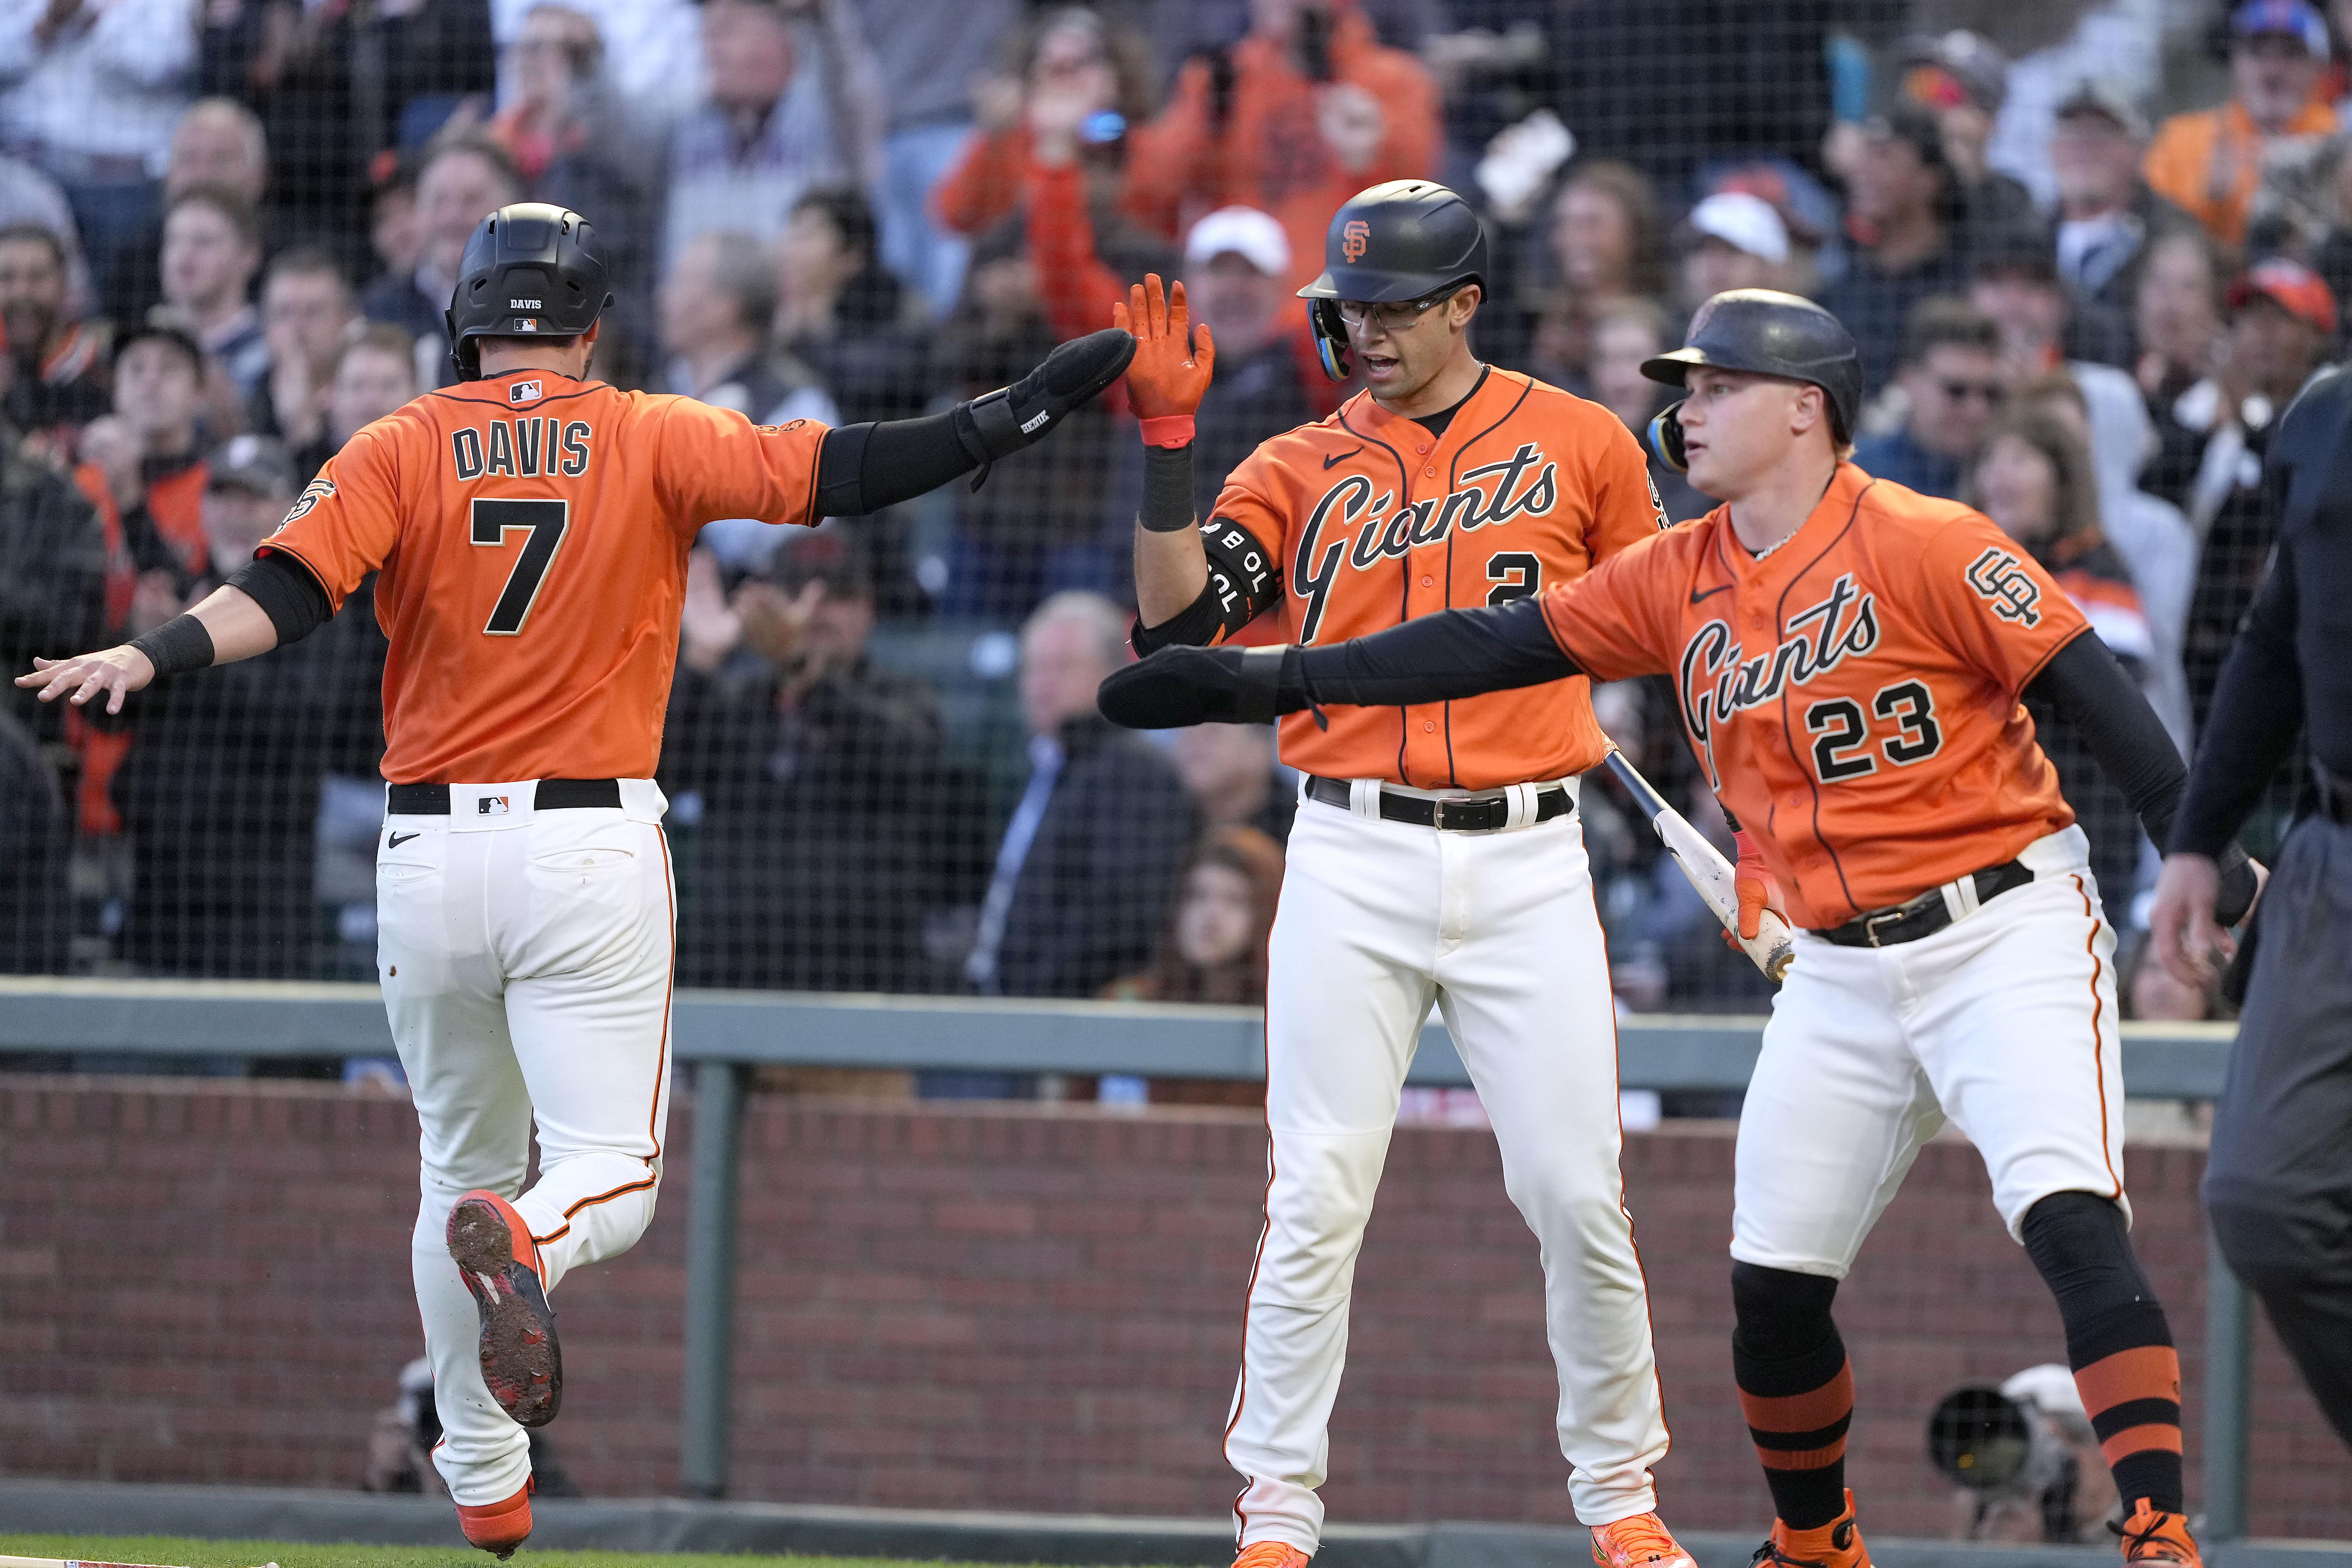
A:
x: 523, y: 391
x: 492, y: 805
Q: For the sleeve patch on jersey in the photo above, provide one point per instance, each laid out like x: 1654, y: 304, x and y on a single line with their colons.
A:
x: 2003, y: 583
x: 1656, y: 504
x: 315, y: 491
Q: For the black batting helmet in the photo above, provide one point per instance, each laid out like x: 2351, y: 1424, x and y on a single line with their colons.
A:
x: 530, y: 269
x: 1404, y: 240
x: 1771, y: 334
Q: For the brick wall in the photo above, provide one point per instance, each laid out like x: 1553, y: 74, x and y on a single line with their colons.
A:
x: 1012, y: 1307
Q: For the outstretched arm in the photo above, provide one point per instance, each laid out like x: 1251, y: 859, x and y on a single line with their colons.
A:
x: 1431, y: 658
x: 862, y: 468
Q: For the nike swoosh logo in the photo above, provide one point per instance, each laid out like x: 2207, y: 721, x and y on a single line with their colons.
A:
x: 397, y: 840
x: 1342, y: 457
x: 1696, y: 596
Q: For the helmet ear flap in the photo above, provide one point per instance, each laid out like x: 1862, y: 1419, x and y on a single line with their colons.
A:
x: 1331, y: 338
x: 1664, y: 437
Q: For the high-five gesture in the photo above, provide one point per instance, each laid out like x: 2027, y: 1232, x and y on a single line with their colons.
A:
x: 1172, y: 359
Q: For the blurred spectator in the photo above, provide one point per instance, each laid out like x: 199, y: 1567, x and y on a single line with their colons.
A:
x: 1231, y: 771
x: 463, y: 179
x: 336, y: 86
x: 576, y: 145
x: 2035, y: 480
x: 1316, y: 110
x: 716, y: 305
x: 1624, y: 335
x: 2281, y: 320
x: 1267, y: 379
x: 2108, y: 213
x: 143, y: 467
x: 396, y: 225
x: 371, y: 373
x: 653, y: 52
x: 788, y: 107
x: 1066, y: 64
x: 1961, y: 78
x: 2054, y: 48
x: 35, y: 913
x: 1213, y: 948
x: 29, y: 196
x: 220, y: 791
x: 1039, y: 522
x: 211, y: 249
x: 2176, y: 313
x: 52, y: 572
x: 90, y: 91
x: 307, y: 313
x: 813, y: 778
x: 843, y: 314
x: 1731, y: 240
x: 2042, y: 331
x: 1952, y: 386
x: 2210, y: 162
x: 57, y: 382
x: 1606, y: 247
x: 2155, y: 540
x: 1088, y: 865
x: 1901, y: 243
x: 217, y: 144
x: 928, y: 73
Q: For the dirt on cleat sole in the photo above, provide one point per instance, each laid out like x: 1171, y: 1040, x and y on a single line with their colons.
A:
x: 522, y: 1364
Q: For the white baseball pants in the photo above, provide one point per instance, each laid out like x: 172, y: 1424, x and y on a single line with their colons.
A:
x: 526, y: 959
x: 2004, y: 1021
x: 1377, y: 919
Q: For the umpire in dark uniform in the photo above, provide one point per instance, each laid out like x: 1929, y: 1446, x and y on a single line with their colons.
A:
x: 2278, y: 1181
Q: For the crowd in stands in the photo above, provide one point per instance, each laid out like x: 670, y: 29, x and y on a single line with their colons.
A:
x: 2090, y: 249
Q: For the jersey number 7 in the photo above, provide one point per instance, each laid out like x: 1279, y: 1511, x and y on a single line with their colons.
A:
x: 546, y: 521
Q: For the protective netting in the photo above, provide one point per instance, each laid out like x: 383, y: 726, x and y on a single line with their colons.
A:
x: 230, y: 229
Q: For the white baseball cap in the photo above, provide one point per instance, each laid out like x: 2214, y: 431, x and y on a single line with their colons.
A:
x: 1256, y: 237
x: 1744, y: 221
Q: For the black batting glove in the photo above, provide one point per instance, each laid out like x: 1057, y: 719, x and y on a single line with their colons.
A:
x: 1000, y: 423
x: 1183, y: 685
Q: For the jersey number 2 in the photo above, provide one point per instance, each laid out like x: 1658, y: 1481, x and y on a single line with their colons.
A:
x: 1518, y: 574
x: 546, y: 521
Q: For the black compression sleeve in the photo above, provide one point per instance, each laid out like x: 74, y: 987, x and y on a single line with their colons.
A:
x: 287, y: 592
x: 177, y: 647
x: 2090, y: 690
x: 1166, y: 489
x: 1433, y: 658
x: 862, y: 468
x: 2258, y: 710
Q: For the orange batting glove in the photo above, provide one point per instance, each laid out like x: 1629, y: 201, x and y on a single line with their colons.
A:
x: 1169, y: 373
x: 1756, y: 890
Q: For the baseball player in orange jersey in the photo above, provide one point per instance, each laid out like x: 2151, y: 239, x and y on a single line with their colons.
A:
x: 1437, y: 855
x: 1849, y: 657
x: 530, y: 530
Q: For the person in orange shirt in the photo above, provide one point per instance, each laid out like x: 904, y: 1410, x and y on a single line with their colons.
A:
x: 1849, y: 657
x: 2209, y: 162
x: 529, y: 529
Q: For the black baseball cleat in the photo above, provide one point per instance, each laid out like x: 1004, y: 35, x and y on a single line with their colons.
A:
x: 522, y: 1363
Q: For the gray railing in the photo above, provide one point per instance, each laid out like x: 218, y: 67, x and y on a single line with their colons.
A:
x: 723, y: 1033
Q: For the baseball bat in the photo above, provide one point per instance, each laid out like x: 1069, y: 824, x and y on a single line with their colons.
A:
x: 1773, y: 946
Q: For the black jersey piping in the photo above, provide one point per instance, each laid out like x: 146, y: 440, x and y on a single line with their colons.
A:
x: 1779, y: 609
x: 1452, y: 479
x: 1405, y: 585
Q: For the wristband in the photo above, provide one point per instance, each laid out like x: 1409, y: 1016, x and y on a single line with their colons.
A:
x: 1168, y: 430
x: 177, y: 647
x: 1167, y: 488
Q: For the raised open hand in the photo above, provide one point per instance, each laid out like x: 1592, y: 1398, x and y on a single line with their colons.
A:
x: 1174, y: 359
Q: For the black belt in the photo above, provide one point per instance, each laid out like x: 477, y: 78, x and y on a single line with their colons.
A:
x: 1474, y: 814
x: 1923, y: 915
x: 547, y: 795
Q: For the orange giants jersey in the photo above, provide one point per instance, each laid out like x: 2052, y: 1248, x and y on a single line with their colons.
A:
x: 1853, y: 694
x: 1368, y: 520
x: 533, y: 531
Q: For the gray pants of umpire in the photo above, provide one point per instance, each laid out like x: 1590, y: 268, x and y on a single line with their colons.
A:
x: 2278, y: 1184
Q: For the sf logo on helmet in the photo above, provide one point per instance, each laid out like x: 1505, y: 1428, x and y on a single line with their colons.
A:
x: 1354, y: 239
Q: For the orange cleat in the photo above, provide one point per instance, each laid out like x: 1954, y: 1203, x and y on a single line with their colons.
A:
x: 1641, y: 1542
x: 1270, y: 1554
x: 2151, y: 1537
x: 499, y: 1527
x: 1837, y: 1544
x: 522, y: 1363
